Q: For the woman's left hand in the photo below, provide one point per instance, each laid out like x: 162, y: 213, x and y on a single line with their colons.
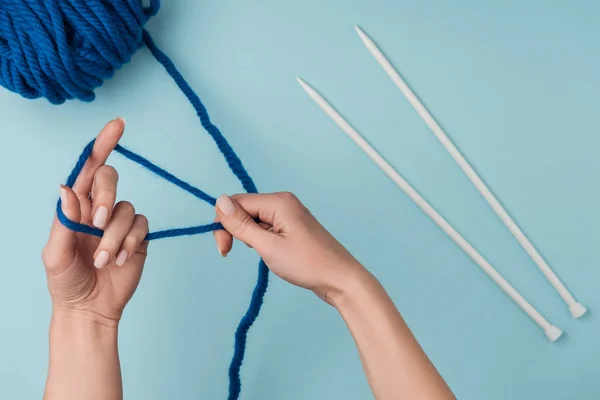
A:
x: 89, y: 277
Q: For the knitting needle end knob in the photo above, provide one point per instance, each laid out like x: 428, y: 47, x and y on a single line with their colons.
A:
x: 577, y: 310
x: 553, y: 333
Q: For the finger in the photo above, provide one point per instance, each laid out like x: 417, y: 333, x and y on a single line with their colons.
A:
x: 242, y: 226
x: 104, y: 194
x: 105, y: 143
x: 266, y: 206
x: 61, y: 237
x: 117, y: 229
x: 132, y: 242
x: 264, y: 225
x: 224, y: 240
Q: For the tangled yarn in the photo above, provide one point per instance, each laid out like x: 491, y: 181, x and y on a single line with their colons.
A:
x: 65, y: 49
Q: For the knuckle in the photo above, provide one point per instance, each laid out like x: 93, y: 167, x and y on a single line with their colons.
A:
x: 108, y: 171
x: 110, y: 246
x: 289, y: 202
x: 110, y: 243
x: 288, y: 197
x: 125, y: 207
x: 132, y: 241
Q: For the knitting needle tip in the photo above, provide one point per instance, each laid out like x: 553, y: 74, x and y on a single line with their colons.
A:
x: 306, y: 86
x: 363, y: 36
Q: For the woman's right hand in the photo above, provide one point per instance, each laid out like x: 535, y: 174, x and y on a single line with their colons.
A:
x: 293, y: 244
x: 297, y: 248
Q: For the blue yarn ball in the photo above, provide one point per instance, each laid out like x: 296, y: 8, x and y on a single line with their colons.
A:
x: 64, y: 49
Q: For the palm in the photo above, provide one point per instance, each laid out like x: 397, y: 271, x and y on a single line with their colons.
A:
x: 107, y: 290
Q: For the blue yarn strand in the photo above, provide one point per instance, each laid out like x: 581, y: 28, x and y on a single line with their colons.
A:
x: 236, y: 166
x: 234, y: 162
x: 241, y: 334
x: 166, y: 175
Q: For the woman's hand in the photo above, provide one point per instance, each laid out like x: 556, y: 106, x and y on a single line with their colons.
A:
x: 90, y: 277
x: 297, y: 248
x: 294, y: 245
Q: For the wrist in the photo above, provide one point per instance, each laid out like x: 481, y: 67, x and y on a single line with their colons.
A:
x: 82, y: 329
x: 84, y: 318
x: 355, y: 284
x: 84, y: 359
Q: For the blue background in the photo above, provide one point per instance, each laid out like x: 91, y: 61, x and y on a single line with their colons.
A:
x: 515, y: 83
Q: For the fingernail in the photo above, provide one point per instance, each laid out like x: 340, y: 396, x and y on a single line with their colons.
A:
x: 122, y: 258
x: 221, y: 252
x: 225, y: 205
x: 100, y: 217
x: 122, y: 120
x: 101, y: 259
x: 63, y: 195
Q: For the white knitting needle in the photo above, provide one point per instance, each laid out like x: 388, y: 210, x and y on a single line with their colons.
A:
x: 551, y: 331
x: 576, y: 308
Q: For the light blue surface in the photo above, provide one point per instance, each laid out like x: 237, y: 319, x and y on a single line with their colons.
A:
x: 516, y: 86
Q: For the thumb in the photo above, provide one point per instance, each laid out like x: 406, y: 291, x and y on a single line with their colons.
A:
x: 62, y: 237
x: 242, y: 226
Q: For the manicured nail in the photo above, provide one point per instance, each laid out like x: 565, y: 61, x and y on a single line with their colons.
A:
x: 122, y: 258
x: 225, y: 205
x: 63, y: 195
x: 221, y: 252
x: 101, y: 259
x: 100, y: 217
